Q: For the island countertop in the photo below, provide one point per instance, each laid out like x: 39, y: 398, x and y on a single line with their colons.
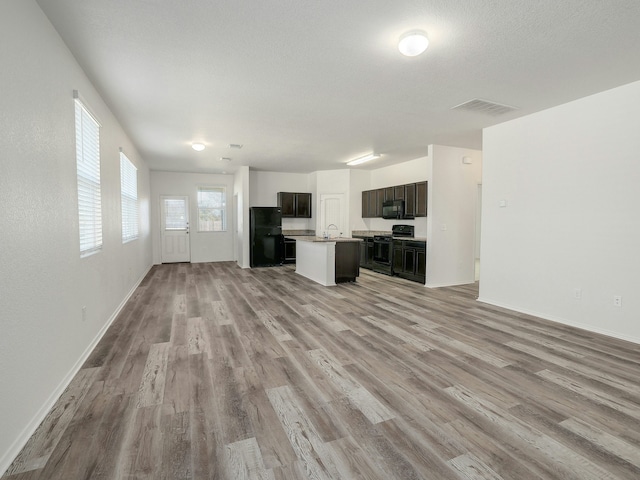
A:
x: 312, y: 238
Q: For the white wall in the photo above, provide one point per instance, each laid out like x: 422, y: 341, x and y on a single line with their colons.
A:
x: 204, y: 246
x: 264, y: 188
x: 241, y: 203
x: 407, y: 172
x: 570, y: 178
x: 451, y: 215
x: 359, y: 181
x: 44, y: 282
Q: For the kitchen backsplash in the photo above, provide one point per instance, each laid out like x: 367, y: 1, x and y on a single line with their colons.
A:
x: 370, y: 233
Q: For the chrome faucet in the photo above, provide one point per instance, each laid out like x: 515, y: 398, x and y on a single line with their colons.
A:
x: 327, y: 234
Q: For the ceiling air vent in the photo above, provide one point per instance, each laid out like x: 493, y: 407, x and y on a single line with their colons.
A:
x: 485, y: 106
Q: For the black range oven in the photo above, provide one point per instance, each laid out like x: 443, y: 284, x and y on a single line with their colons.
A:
x: 382, y: 254
x: 383, y: 248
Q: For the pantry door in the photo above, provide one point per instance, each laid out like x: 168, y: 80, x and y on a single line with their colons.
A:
x: 175, y: 229
x: 333, y: 215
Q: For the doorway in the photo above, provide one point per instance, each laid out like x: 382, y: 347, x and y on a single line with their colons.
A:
x: 477, y: 230
x: 175, y: 229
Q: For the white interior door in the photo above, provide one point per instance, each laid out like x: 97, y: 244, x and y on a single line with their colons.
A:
x: 175, y: 229
x: 333, y: 215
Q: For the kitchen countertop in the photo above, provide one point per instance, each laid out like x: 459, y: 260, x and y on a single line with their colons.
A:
x: 371, y: 235
x: 313, y: 238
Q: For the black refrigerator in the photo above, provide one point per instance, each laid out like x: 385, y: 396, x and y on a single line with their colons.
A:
x: 267, y: 243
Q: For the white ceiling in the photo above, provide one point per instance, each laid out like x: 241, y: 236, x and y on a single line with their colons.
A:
x: 307, y: 85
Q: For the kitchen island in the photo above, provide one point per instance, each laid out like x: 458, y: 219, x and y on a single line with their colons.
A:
x: 327, y: 261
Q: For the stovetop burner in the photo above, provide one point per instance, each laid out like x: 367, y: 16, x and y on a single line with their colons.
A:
x: 403, y: 231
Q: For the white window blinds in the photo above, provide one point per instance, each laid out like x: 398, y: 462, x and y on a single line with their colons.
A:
x: 129, y: 198
x: 88, y: 172
x: 212, y: 205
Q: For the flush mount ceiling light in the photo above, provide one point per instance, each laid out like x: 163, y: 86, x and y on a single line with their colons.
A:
x: 413, y: 43
x: 360, y: 160
x: 198, y: 147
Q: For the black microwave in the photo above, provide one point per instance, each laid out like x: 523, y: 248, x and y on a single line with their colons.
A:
x: 393, y: 209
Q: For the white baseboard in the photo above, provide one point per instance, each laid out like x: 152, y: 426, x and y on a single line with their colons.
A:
x: 438, y: 285
x: 9, y: 456
x: 563, y: 321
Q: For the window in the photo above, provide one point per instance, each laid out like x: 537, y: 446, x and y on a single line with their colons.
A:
x: 129, y: 198
x: 212, y: 211
x: 88, y: 172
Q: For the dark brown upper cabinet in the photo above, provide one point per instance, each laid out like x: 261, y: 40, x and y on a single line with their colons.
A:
x: 365, y: 204
x: 295, y: 204
x: 421, y: 199
x: 413, y: 194
x: 379, y: 201
x: 410, y: 200
x: 373, y: 198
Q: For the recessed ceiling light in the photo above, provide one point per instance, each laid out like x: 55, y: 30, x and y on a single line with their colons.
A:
x: 360, y: 160
x: 413, y: 43
x: 198, y: 147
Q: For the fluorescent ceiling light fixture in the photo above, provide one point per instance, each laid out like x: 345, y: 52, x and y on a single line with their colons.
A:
x: 360, y: 160
x: 198, y: 147
x: 413, y: 43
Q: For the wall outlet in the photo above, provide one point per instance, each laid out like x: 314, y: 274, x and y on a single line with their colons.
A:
x: 577, y: 293
x: 84, y: 314
x: 617, y: 300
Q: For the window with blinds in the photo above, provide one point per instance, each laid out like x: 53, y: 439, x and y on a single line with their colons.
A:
x: 212, y: 209
x: 128, y: 198
x: 88, y: 172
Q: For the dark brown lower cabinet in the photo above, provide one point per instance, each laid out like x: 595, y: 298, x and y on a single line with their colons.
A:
x: 347, y: 261
x: 410, y: 260
x: 366, y: 252
x: 289, y: 251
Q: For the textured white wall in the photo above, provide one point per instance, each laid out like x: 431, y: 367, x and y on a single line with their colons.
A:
x: 204, y: 246
x: 359, y: 181
x: 570, y: 178
x: 44, y: 282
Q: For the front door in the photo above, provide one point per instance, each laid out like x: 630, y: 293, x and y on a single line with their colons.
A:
x: 175, y: 229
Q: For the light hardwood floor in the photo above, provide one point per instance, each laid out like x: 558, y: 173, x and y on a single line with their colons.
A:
x: 212, y: 371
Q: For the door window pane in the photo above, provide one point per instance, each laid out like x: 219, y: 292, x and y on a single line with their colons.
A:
x: 175, y: 214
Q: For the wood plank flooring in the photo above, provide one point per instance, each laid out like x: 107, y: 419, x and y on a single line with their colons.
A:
x: 214, y: 372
